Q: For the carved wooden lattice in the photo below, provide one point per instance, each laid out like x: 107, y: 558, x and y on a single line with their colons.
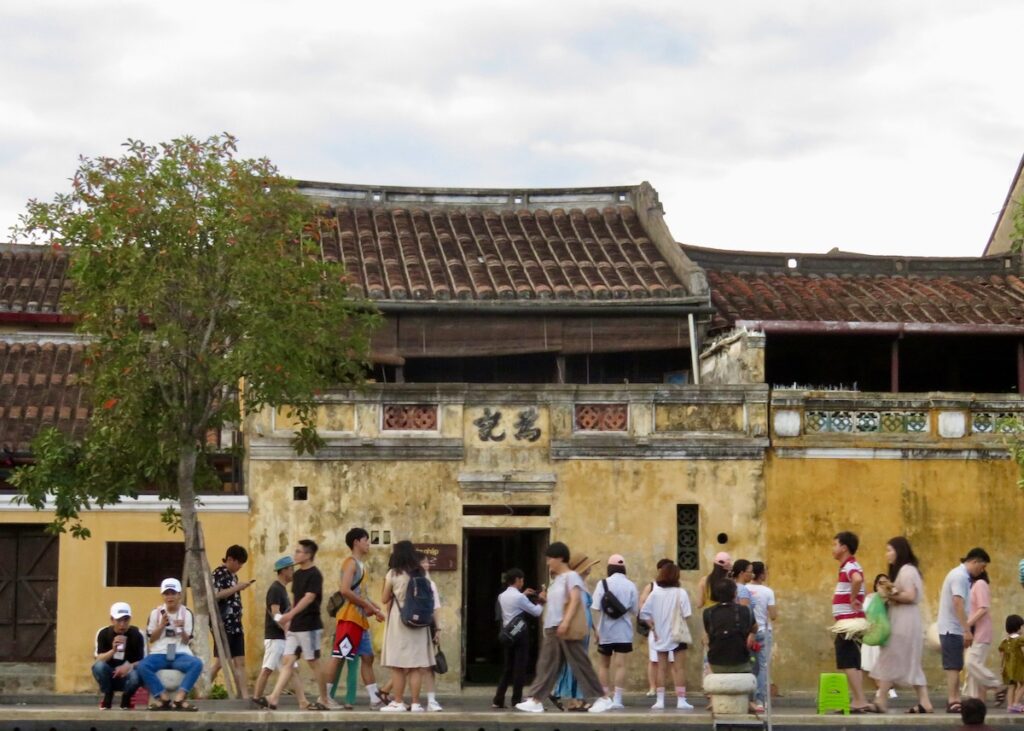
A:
x: 410, y: 417
x: 688, y: 537
x: 602, y: 417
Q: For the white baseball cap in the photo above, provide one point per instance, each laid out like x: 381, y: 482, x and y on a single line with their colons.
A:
x: 170, y: 585
x: 120, y: 609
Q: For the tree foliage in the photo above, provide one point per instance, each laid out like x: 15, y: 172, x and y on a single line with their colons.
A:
x: 192, y: 272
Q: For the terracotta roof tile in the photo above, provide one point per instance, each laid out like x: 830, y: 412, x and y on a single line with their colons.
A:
x: 39, y: 387
x: 854, y: 288
x: 31, y: 279
x: 511, y: 254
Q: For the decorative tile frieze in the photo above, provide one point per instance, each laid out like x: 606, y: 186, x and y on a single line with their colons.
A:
x: 866, y: 422
x: 602, y: 417
x: 409, y: 417
x: 995, y: 422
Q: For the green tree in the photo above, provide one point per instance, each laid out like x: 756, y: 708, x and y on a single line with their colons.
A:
x: 199, y: 286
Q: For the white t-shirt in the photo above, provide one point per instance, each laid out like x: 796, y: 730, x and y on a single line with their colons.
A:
x: 761, y: 597
x: 513, y: 603
x: 558, y: 595
x: 620, y: 630
x: 659, y: 607
x: 158, y: 645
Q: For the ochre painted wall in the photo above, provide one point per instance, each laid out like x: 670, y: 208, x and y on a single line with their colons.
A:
x: 83, y: 601
x: 943, y: 506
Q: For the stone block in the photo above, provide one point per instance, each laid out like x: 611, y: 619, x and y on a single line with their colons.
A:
x: 787, y: 423
x: 952, y: 424
x: 730, y: 692
x: 170, y: 679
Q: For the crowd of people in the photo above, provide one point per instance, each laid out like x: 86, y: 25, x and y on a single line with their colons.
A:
x: 737, y: 613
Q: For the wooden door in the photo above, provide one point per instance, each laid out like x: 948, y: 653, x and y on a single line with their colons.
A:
x: 28, y: 594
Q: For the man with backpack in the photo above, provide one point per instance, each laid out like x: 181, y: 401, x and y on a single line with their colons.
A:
x: 516, y: 607
x: 616, y: 601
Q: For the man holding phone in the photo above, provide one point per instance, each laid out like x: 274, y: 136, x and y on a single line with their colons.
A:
x: 170, y: 630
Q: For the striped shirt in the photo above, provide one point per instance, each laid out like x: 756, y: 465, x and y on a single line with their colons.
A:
x: 842, y: 607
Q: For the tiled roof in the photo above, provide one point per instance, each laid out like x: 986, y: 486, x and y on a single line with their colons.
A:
x: 39, y: 386
x: 31, y: 278
x: 442, y: 253
x: 852, y: 288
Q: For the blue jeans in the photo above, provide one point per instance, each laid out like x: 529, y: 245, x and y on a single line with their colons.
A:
x: 763, y: 657
x: 191, y: 666
x: 104, y: 675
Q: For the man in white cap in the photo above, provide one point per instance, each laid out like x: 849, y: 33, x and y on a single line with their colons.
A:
x: 170, y: 631
x: 615, y: 599
x: 119, y: 648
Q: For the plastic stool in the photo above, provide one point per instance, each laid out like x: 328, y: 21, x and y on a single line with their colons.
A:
x: 833, y: 693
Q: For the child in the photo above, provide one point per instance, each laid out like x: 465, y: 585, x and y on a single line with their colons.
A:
x: 869, y: 653
x: 1012, y: 650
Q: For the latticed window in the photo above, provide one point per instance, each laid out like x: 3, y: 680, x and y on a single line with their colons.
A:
x: 688, y: 537
x: 409, y: 417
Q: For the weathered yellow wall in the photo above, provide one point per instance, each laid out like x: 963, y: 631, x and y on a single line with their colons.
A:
x: 83, y: 600
x: 598, y: 506
x: 943, y: 506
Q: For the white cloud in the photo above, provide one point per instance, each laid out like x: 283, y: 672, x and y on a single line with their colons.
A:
x: 879, y: 127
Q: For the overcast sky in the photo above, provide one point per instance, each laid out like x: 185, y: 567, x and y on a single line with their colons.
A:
x: 879, y: 127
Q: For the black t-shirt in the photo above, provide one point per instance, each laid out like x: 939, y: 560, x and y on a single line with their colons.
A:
x: 308, y: 581
x: 278, y: 595
x: 728, y: 626
x: 134, y: 649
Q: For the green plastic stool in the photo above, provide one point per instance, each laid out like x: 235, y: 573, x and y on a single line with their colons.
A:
x: 833, y: 693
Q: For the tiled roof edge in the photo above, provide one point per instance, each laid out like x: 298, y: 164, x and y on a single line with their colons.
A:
x: 841, y: 262
x: 525, y: 198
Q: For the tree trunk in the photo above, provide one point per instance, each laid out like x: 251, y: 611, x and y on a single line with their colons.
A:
x: 194, y: 550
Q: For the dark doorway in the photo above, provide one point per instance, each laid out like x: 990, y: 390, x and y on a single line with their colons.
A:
x: 28, y: 594
x: 486, y: 554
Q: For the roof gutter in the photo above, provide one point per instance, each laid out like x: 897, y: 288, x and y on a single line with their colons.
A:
x: 894, y: 329
x: 48, y: 318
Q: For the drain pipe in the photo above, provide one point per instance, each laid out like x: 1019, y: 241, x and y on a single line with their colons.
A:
x: 693, y: 349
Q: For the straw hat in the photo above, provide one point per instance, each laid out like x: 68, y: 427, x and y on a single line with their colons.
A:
x: 583, y: 564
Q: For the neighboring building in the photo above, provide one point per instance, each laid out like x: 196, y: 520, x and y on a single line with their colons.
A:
x: 1005, y: 236
x: 554, y: 366
x: 43, y: 577
x: 892, y: 380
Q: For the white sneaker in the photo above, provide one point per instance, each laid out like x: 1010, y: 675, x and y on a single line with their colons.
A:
x: 892, y: 693
x: 616, y: 706
x: 530, y: 706
x: 416, y: 708
x: 601, y: 705
x: 682, y: 705
x: 434, y: 706
x: 394, y: 707
x: 658, y: 706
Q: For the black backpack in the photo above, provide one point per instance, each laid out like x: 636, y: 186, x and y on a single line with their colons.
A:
x: 418, y: 610
x: 610, y: 604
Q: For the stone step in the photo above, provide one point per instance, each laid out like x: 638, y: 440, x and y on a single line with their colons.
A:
x: 26, y: 678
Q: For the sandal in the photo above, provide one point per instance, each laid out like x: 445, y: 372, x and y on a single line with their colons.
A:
x: 919, y: 709
x: 263, y: 703
x: 161, y: 705
x: 183, y: 705
x: 317, y: 706
x: 954, y: 707
x: 384, y: 697
x: 1001, y: 695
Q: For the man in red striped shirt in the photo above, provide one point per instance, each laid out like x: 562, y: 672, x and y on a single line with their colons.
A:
x: 848, y: 603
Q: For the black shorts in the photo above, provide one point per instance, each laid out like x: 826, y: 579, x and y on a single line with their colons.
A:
x: 952, y: 652
x: 236, y: 643
x: 847, y: 654
x: 620, y: 647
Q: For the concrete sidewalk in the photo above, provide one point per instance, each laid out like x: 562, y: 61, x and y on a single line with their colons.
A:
x: 466, y: 712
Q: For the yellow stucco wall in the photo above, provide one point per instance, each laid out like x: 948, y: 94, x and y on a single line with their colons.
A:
x: 83, y: 600
x: 943, y: 506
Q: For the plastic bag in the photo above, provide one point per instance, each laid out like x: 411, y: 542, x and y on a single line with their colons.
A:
x: 879, y: 628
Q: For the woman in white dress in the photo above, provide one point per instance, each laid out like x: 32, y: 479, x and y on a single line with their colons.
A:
x: 407, y: 651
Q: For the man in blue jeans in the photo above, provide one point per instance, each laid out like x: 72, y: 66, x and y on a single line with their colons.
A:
x: 119, y: 648
x: 170, y: 630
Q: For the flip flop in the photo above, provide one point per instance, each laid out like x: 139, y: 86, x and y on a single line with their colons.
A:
x: 919, y: 709
x: 317, y: 706
x: 183, y: 705
x: 954, y: 707
x: 160, y: 705
x: 262, y: 702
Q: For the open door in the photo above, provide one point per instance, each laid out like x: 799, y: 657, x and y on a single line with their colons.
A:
x: 487, y: 554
